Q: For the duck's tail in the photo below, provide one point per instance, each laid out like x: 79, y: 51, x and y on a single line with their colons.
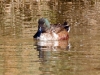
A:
x: 66, y: 26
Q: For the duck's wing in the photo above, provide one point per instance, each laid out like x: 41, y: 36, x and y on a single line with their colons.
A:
x: 56, y: 28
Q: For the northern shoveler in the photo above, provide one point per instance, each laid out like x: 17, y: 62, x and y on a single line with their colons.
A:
x: 47, y: 31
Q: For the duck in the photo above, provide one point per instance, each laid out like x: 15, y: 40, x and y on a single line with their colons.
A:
x: 47, y: 31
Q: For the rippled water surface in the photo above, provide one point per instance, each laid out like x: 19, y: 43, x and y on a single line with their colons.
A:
x: 20, y: 54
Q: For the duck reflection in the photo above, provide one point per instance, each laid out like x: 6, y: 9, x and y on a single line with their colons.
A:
x: 50, y: 46
x: 52, y: 55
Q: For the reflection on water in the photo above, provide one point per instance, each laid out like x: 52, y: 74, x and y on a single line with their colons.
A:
x: 50, y: 54
x: 44, y: 46
x: 21, y: 55
x: 75, y: 60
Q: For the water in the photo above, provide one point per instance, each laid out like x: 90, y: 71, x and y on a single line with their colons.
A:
x: 20, y: 54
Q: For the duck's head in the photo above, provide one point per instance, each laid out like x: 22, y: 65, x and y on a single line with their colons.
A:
x: 44, y: 24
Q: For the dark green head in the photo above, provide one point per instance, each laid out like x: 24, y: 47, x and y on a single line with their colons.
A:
x: 44, y: 24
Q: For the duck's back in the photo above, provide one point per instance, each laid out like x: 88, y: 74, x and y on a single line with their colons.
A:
x: 60, y: 33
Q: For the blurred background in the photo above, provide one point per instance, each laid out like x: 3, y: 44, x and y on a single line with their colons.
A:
x: 18, y: 18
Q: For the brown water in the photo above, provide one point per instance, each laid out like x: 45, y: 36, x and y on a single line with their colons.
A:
x: 20, y: 54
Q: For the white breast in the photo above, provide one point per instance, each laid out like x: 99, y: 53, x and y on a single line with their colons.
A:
x: 48, y: 36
